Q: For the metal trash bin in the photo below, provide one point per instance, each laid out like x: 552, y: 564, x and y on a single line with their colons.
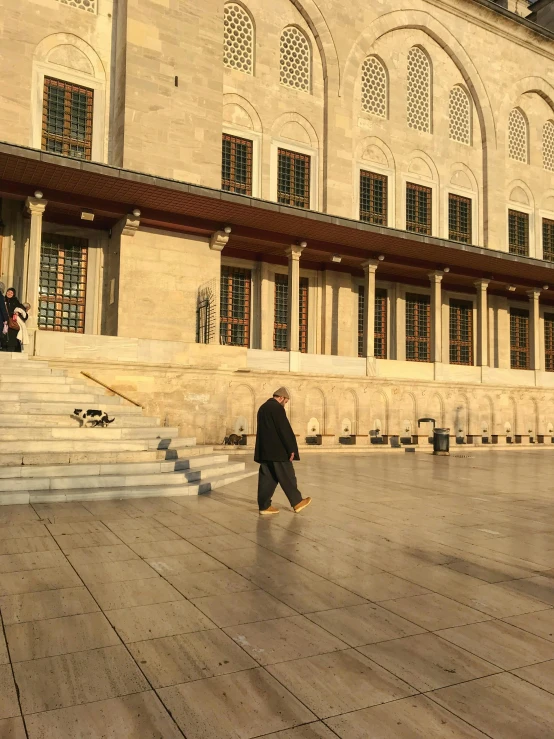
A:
x: 441, y: 442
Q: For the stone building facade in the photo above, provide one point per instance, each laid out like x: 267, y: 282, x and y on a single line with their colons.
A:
x: 205, y: 200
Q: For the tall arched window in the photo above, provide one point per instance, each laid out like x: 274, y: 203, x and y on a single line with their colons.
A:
x: 459, y: 111
x: 518, y: 136
x: 419, y: 90
x: 238, y: 39
x: 548, y: 145
x: 295, y: 66
x: 374, y: 87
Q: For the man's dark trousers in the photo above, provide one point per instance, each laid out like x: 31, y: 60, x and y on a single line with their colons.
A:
x: 272, y: 474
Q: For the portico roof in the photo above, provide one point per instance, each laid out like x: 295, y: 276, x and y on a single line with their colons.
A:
x: 261, y: 230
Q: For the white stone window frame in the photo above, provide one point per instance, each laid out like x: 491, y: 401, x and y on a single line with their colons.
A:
x: 389, y: 173
x: 46, y: 69
x: 530, y: 210
x: 549, y: 215
x: 314, y: 305
x: 97, y: 240
x: 435, y: 200
x: 255, y: 282
x: 256, y: 139
x: 379, y: 285
x: 310, y: 151
x: 471, y: 195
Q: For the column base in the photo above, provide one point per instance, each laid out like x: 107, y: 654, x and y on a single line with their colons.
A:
x: 370, y: 367
x: 294, y: 361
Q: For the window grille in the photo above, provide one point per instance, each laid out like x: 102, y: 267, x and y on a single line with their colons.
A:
x: 293, y: 178
x: 459, y: 218
x: 519, y: 338
x: 206, y: 302
x: 518, y: 134
x: 236, y: 165
x: 548, y: 240
x: 88, y: 5
x: 461, y: 332
x: 374, y: 87
x: 295, y: 64
x: 380, y: 323
x: 303, y: 322
x: 418, y: 209
x: 459, y: 109
x: 548, y: 145
x: 418, y: 328
x: 419, y: 90
x: 238, y: 38
x: 62, y: 284
x: 281, y: 319
x: 235, y: 306
x: 518, y: 233
x: 373, y: 198
x: 549, y: 341
x: 67, y: 119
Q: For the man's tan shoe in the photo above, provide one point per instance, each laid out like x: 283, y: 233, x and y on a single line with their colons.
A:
x: 271, y: 511
x: 303, y: 504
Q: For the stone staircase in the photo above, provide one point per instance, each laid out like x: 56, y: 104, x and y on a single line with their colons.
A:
x: 45, y: 456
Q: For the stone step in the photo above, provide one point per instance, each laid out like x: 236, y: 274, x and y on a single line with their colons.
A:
x: 27, y: 420
x: 98, y: 482
x: 95, y: 399
x: 181, y: 442
x: 39, y: 446
x: 61, y: 385
x: 7, y: 380
x: 115, y: 468
x: 11, y: 434
x: 35, y: 408
x: 9, y: 370
x: 108, y: 457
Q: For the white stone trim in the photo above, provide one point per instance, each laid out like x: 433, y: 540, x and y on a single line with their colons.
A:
x: 389, y: 173
x: 530, y: 211
x: 424, y: 182
x: 311, y: 151
x: 475, y: 211
x: 255, y: 279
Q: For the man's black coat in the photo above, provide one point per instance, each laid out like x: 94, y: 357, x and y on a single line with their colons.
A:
x: 275, y: 440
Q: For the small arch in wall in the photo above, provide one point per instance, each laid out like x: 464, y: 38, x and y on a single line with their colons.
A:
x: 295, y: 131
x: 238, y: 105
x: 462, y: 180
x: 236, y: 115
x: 313, y: 427
x: 373, y: 149
x: 422, y: 165
x: 518, y: 195
x: 520, y: 190
x: 280, y: 123
x: 66, y: 55
x: 548, y: 203
x: 346, y: 427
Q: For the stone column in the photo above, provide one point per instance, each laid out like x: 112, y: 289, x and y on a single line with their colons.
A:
x: 482, y: 323
x: 370, y: 267
x: 534, y: 330
x: 436, y: 316
x: 293, y: 324
x: 35, y: 208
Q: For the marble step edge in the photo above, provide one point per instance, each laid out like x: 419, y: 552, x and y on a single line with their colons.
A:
x: 154, y: 491
x: 94, y: 399
x: 48, y: 407
x: 111, y: 468
x: 109, y: 457
x: 45, y: 420
x: 61, y: 433
x: 99, y: 482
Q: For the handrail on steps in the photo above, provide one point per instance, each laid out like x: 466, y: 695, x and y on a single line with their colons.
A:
x: 116, y: 392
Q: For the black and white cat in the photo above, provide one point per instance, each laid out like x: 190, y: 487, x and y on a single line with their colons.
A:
x: 92, y: 417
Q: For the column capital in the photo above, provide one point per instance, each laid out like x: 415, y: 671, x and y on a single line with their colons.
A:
x: 483, y: 284
x: 436, y: 276
x: 35, y: 206
x: 294, y: 251
x: 534, y: 294
x: 370, y: 265
x: 218, y: 240
x: 129, y: 225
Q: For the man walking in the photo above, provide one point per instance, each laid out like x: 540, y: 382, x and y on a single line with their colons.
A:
x: 276, y: 447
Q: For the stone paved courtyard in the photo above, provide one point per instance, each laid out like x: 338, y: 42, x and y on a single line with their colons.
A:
x: 413, y: 599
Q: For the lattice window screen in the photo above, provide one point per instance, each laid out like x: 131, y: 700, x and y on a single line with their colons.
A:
x: 88, y: 5
x: 548, y: 145
x: 459, y: 109
x: 518, y: 136
x: 238, y: 39
x: 374, y: 87
x: 419, y: 90
x: 295, y: 59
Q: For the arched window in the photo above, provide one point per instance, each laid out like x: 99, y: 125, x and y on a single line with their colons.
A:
x: 548, y: 145
x: 419, y: 90
x: 518, y: 136
x: 238, y: 39
x: 374, y: 87
x: 295, y: 59
x: 459, y: 111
